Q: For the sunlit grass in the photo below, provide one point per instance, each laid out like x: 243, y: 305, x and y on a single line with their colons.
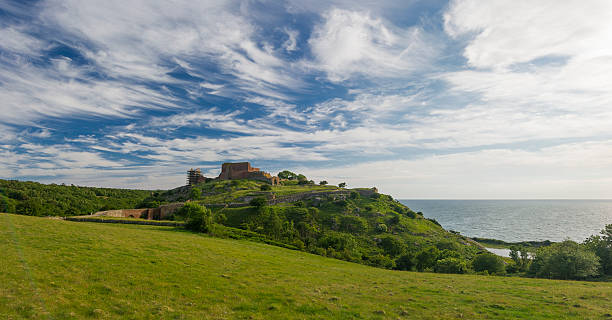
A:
x: 69, y: 270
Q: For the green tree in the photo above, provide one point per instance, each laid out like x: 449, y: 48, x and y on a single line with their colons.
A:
x: 286, y: 174
x: 489, y: 262
x: 265, y: 187
x: 520, y: 256
x: 342, y: 185
x: 451, y: 265
x: 195, y: 193
x: 258, y: 202
x: 565, y: 260
x: 323, y: 183
x: 426, y: 258
x: 602, y: 247
x: 392, y: 246
x: 197, y: 218
x: 405, y: 262
x: 353, y: 224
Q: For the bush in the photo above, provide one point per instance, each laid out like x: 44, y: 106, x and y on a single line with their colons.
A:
x: 265, y: 187
x: 392, y: 246
x: 342, y: 184
x: 381, y: 261
x: 354, y: 195
x: 381, y: 227
x: 565, y: 260
x: 197, y: 218
x: 353, y: 224
x: 405, y: 262
x: 259, y: 202
x: 427, y: 258
x: 451, y: 265
x: 602, y: 247
x: 338, y: 241
x: 195, y: 193
x: 489, y: 262
x: 323, y: 183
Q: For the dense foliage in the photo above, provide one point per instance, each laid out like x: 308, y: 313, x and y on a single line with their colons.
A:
x: 565, y: 260
x: 36, y: 199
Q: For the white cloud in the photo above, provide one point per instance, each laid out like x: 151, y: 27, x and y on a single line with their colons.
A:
x: 16, y: 41
x: 350, y: 42
x: 509, y: 32
x: 291, y: 43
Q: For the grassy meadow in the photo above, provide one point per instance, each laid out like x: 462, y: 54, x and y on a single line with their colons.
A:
x: 55, y: 269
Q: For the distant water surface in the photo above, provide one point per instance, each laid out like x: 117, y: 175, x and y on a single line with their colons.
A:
x: 519, y: 220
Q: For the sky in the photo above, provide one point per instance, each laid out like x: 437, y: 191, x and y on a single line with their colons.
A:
x: 422, y: 99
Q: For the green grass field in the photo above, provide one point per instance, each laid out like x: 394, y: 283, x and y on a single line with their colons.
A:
x: 54, y: 269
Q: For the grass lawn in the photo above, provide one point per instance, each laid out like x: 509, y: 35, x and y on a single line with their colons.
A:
x: 72, y: 270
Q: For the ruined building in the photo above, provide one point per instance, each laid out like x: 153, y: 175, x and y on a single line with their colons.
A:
x: 194, y: 177
x: 243, y: 170
x: 233, y: 171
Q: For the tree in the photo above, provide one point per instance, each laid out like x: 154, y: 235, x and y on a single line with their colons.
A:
x: 197, y: 218
x: 342, y: 185
x: 286, y: 174
x: 353, y: 224
x: 405, y: 262
x: 392, y: 246
x: 520, y: 256
x: 427, y: 258
x: 451, y: 265
x: 489, y: 262
x: 195, y: 193
x: 258, y: 202
x: 565, y: 260
x: 602, y: 247
x: 265, y: 187
x: 323, y: 183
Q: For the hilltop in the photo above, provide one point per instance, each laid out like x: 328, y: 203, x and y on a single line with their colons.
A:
x: 59, y: 269
x: 358, y: 225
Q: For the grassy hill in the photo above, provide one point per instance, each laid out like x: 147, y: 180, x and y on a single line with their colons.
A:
x: 70, y: 270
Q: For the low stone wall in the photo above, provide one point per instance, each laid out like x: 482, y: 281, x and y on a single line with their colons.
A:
x: 124, y: 213
x: 100, y: 219
x: 160, y: 213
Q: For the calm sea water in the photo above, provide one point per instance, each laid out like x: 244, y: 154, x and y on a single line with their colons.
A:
x: 519, y: 220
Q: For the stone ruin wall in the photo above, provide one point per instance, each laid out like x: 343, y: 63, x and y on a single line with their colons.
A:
x: 159, y: 213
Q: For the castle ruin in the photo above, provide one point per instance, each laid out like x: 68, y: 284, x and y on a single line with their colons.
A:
x: 233, y: 171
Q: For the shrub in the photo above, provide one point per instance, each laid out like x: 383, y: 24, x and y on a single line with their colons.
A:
x: 405, y: 262
x: 381, y: 227
x: 427, y: 258
x: 337, y: 240
x: 353, y: 224
x: 323, y: 183
x: 342, y: 185
x: 381, y: 261
x: 258, y: 202
x: 434, y: 221
x: 265, y: 187
x: 489, y: 262
x: 354, y: 195
x: 195, y: 193
x: 602, y: 247
x: 197, y: 218
x: 392, y: 246
x: 565, y: 260
x: 451, y: 265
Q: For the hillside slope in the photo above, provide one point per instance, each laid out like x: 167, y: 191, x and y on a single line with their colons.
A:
x: 62, y: 270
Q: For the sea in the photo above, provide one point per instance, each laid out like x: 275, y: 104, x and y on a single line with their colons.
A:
x: 519, y: 220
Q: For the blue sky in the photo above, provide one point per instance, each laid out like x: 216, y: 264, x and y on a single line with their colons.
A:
x: 423, y: 99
